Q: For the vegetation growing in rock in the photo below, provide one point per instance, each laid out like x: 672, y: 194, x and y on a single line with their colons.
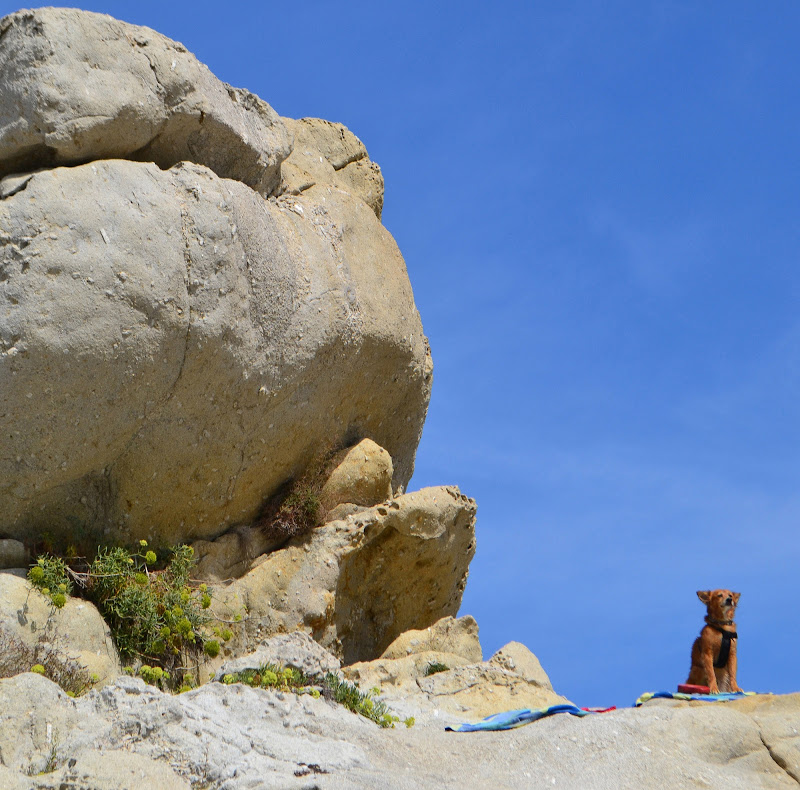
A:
x: 50, y: 576
x: 297, y: 508
x: 434, y: 667
x: 155, y: 617
x: 329, y: 686
x: 43, y: 658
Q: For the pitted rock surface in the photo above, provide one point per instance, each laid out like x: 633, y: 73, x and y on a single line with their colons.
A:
x: 356, y: 584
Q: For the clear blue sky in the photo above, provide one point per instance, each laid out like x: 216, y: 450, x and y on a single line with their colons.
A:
x: 598, y: 205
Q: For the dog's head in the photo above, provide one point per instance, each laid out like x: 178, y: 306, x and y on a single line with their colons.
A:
x: 721, y: 604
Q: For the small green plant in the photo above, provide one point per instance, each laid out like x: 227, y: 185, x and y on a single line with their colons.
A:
x: 38, y: 669
x: 330, y: 686
x: 50, y: 576
x: 434, y: 667
x: 349, y: 695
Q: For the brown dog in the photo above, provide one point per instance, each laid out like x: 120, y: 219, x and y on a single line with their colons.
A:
x: 714, y: 651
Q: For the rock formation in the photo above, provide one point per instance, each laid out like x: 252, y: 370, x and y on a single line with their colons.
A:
x: 173, y: 346
x: 357, y: 583
x: 72, y: 641
x: 198, y: 301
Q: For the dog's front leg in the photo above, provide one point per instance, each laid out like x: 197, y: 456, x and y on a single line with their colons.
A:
x: 707, y: 660
x: 732, y: 669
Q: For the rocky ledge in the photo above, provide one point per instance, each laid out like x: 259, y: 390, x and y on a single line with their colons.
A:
x: 130, y: 735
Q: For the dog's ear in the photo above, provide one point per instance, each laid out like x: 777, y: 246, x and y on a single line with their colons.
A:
x: 704, y: 596
x: 736, y: 597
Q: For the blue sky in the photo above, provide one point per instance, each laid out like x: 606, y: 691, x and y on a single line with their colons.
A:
x: 597, y: 203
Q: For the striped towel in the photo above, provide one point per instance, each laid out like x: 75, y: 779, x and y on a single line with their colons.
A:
x: 723, y: 697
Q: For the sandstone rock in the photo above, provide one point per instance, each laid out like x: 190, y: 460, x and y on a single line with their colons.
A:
x: 72, y: 640
x: 35, y: 714
x: 296, y: 650
x: 356, y: 585
x: 512, y: 678
x: 12, y: 554
x: 515, y: 657
x: 362, y: 476
x: 448, y: 635
x: 80, y: 86
x: 189, y: 347
x: 329, y: 154
x: 479, y: 690
x: 402, y: 673
x: 777, y: 718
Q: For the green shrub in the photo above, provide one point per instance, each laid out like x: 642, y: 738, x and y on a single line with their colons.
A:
x: 50, y: 576
x: 155, y: 617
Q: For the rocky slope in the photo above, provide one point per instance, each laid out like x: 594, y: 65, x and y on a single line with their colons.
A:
x: 130, y: 735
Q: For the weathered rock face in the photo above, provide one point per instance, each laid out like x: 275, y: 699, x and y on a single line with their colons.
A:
x: 297, y: 650
x: 241, y: 738
x: 448, y: 635
x: 74, y: 639
x: 79, y: 86
x: 356, y: 584
x: 173, y: 347
x: 328, y: 153
x: 511, y: 679
x: 12, y: 554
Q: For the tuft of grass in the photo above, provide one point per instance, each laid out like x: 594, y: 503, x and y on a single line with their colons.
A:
x: 434, y: 667
x: 329, y: 686
x: 297, y: 508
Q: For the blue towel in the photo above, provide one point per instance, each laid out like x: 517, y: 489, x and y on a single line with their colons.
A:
x: 516, y: 718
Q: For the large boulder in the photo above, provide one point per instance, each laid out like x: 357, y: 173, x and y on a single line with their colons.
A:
x: 448, y: 635
x: 362, y: 475
x: 357, y: 583
x: 79, y: 86
x: 173, y: 348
